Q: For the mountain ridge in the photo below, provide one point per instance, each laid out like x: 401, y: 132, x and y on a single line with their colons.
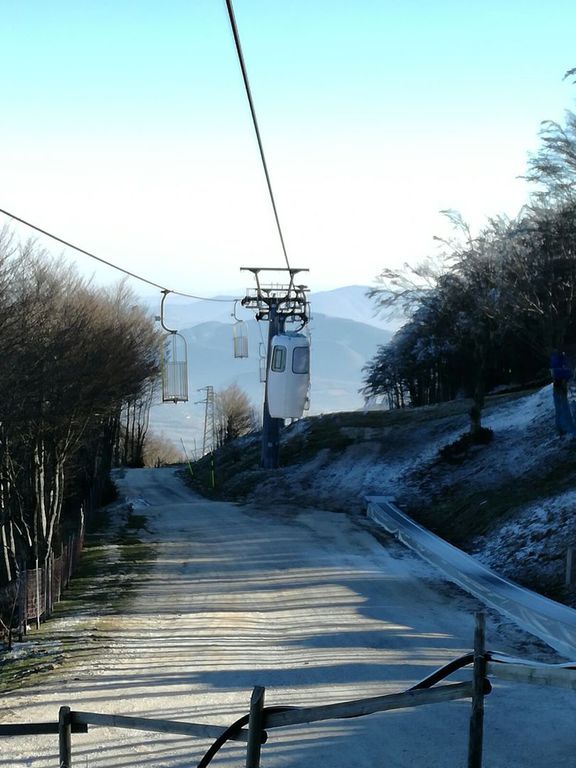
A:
x: 348, y: 303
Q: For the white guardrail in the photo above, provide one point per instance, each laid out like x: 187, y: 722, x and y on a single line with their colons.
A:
x: 544, y: 618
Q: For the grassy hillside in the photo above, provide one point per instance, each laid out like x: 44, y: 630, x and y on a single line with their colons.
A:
x: 334, y: 461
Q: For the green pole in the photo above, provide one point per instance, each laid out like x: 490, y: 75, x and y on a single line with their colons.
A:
x: 187, y: 459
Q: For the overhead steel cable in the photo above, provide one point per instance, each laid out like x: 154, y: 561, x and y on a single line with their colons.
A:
x: 255, y: 121
x: 109, y: 263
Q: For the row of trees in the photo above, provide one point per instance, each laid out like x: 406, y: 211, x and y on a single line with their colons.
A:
x: 78, y: 367
x: 491, y: 308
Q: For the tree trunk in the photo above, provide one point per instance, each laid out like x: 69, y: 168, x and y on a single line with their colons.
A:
x: 6, y: 573
x: 39, y: 490
x: 55, y: 507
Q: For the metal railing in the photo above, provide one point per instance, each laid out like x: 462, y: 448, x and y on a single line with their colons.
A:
x: 32, y: 595
x: 552, y: 622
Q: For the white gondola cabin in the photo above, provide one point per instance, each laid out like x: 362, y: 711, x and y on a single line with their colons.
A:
x: 288, y: 375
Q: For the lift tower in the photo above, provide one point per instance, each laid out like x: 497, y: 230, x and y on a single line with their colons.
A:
x: 277, y: 304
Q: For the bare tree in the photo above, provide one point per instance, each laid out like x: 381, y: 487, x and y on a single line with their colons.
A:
x: 160, y: 451
x: 71, y: 355
x: 553, y: 167
x: 234, y: 414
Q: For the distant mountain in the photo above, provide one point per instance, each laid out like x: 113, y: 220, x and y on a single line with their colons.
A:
x: 340, y: 349
x: 349, y: 303
x: 352, y: 303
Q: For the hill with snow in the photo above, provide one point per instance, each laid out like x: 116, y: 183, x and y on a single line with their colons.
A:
x: 511, y: 502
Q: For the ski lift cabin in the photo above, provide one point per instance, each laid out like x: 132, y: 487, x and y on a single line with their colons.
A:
x: 288, y: 375
x: 174, y: 369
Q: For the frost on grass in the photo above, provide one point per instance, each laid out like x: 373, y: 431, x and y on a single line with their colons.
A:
x: 525, y: 538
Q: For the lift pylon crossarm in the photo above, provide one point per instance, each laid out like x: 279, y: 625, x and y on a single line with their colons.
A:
x: 287, y: 310
x: 288, y: 301
x: 292, y: 270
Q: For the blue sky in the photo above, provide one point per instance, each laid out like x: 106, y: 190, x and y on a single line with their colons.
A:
x: 125, y: 128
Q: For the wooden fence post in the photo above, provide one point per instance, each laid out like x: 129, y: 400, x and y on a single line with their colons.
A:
x: 477, y: 715
x: 255, y: 727
x: 65, y: 737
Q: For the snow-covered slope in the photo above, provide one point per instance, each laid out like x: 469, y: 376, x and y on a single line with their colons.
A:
x: 512, y: 501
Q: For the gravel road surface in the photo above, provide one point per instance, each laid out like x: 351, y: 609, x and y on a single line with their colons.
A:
x: 312, y: 606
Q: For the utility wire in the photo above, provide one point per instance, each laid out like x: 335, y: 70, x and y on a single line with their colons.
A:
x: 264, y: 164
x: 255, y: 121
x: 109, y: 263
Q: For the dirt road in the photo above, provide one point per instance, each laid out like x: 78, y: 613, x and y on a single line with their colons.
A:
x: 306, y: 603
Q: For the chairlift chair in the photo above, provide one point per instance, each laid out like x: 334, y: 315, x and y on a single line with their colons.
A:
x: 174, y: 362
x: 174, y: 369
x: 240, y: 335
